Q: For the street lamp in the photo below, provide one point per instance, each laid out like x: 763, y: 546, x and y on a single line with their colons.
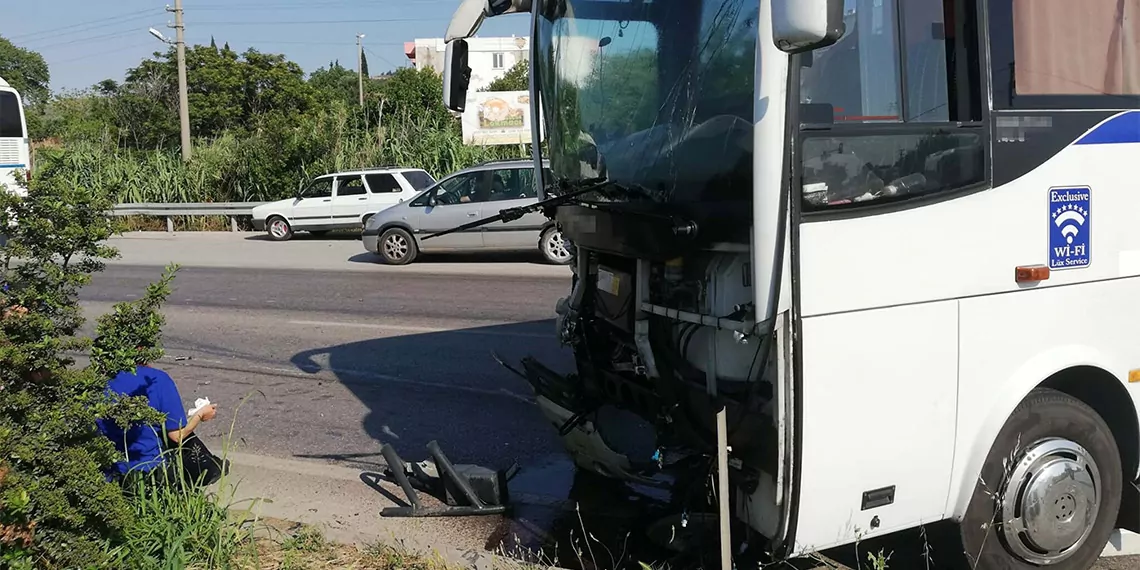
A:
x: 159, y: 35
x: 183, y: 103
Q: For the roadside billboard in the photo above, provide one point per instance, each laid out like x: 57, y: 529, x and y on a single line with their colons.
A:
x: 497, y: 118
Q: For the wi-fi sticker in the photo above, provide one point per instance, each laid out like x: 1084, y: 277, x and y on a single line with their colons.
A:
x: 1069, y: 227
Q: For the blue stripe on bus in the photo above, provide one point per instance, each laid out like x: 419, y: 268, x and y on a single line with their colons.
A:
x: 1123, y: 128
x: 12, y: 165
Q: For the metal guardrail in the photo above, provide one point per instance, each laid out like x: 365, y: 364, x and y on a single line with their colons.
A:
x: 164, y: 210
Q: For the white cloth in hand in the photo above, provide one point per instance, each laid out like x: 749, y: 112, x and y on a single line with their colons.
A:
x: 199, y: 404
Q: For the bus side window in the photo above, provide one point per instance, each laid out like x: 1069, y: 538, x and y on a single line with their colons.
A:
x: 899, y: 85
x: 1064, y: 55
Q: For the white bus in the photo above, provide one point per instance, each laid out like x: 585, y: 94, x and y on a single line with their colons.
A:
x: 15, y: 151
x: 842, y: 255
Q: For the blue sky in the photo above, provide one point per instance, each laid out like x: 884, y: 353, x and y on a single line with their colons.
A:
x: 86, y: 41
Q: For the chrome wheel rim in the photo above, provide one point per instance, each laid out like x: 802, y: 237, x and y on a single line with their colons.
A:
x: 395, y: 246
x: 556, y: 246
x: 1051, y: 502
x: 279, y: 228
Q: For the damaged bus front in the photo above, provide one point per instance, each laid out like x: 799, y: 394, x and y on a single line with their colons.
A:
x: 666, y: 135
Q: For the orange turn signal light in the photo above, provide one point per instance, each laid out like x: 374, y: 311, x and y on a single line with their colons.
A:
x: 1134, y: 376
x: 1031, y: 273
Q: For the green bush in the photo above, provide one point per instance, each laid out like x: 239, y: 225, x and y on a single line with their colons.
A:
x: 57, y: 510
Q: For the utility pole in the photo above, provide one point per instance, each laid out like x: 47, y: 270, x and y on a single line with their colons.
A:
x: 183, y: 102
x: 360, y: 67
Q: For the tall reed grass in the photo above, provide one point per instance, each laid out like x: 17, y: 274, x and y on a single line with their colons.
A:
x: 272, y: 160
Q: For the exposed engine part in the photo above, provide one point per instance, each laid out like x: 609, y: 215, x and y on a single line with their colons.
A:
x: 589, y: 449
x: 641, y: 325
x: 683, y: 531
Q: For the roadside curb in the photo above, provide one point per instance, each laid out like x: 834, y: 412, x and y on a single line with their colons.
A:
x: 346, y: 509
x: 1122, y: 543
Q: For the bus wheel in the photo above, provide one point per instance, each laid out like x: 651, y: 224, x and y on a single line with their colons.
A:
x: 1049, y: 491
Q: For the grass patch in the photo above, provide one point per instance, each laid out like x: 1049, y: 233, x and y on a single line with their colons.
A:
x: 184, y: 223
x: 306, y: 548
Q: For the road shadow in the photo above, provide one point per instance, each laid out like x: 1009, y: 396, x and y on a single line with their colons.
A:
x: 534, y: 258
x: 446, y: 386
x: 373, y: 480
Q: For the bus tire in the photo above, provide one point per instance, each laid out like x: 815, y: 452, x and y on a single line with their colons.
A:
x: 1057, y: 453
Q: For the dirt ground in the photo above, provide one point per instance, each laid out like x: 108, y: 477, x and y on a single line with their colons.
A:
x: 1118, y: 563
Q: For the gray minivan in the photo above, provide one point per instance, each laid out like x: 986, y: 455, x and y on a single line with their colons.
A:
x: 466, y: 196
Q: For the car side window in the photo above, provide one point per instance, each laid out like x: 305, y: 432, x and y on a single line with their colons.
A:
x: 512, y: 184
x: 470, y: 188
x: 319, y: 188
x: 383, y: 183
x: 418, y: 179
x: 449, y: 191
x: 350, y: 186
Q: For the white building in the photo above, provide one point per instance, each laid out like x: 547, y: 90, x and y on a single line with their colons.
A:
x: 488, y: 58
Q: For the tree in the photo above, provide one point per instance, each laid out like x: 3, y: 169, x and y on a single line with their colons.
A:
x: 335, y: 83
x: 25, y: 70
x: 517, y: 78
x: 226, y: 91
x: 54, y: 498
x: 417, y: 93
x: 364, y: 65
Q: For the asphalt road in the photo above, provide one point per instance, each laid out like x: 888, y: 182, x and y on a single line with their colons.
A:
x: 333, y: 364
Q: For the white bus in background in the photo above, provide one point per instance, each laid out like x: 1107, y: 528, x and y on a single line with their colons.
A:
x: 15, y: 151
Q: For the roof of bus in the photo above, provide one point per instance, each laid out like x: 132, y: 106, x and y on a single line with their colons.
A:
x: 3, y: 83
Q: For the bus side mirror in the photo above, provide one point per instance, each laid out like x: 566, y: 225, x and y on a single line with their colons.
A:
x: 456, y: 76
x: 804, y: 25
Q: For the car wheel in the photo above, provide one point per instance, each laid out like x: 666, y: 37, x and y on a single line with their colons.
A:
x: 279, y: 229
x: 1049, y: 491
x: 555, y: 248
x: 397, y: 247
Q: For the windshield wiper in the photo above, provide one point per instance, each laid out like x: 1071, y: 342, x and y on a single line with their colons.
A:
x: 512, y: 214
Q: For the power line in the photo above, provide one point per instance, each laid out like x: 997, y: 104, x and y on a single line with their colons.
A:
x: 83, y: 26
x: 345, y: 43
x: 105, y: 52
x: 382, y: 58
x: 117, y: 34
x: 354, y: 4
x: 311, y: 22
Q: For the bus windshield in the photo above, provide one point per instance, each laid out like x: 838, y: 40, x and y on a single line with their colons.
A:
x: 655, y: 95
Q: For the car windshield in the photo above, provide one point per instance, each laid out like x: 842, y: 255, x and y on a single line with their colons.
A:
x: 654, y: 94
